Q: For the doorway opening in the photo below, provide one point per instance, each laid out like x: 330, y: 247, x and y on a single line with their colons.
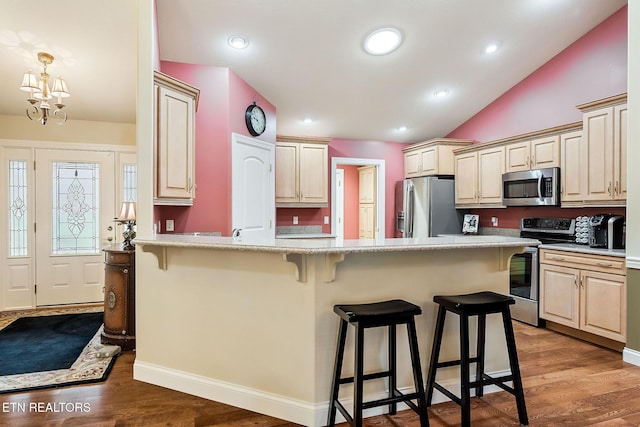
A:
x: 338, y: 209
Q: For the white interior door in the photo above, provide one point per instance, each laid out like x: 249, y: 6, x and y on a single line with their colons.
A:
x: 253, y: 194
x: 74, y: 220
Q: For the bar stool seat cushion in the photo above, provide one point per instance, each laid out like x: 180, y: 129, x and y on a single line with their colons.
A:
x: 476, y: 303
x: 377, y: 312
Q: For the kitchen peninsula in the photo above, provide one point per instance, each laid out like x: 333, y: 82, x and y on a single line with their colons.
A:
x: 251, y: 324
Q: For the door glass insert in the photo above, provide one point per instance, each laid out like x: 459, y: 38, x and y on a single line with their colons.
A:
x: 75, y: 208
x: 129, y: 182
x: 18, y: 236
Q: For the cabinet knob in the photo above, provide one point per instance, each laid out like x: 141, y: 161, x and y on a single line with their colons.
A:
x: 110, y: 238
x: 125, y: 270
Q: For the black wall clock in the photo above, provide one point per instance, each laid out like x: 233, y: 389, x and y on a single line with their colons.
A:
x: 255, y: 119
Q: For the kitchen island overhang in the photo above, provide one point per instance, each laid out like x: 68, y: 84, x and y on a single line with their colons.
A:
x: 251, y: 324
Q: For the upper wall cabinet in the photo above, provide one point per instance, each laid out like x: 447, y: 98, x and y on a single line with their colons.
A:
x: 433, y: 157
x: 479, y: 168
x: 605, y: 151
x: 479, y: 177
x: 534, y: 154
x: 302, y: 172
x: 175, y: 104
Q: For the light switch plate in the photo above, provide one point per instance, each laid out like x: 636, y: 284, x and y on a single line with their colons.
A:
x: 326, y: 219
x: 295, y: 220
x: 169, y: 225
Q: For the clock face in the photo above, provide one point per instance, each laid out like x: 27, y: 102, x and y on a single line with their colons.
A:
x: 255, y: 119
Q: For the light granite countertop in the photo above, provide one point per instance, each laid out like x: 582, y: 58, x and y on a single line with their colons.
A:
x: 583, y: 249
x: 334, y: 246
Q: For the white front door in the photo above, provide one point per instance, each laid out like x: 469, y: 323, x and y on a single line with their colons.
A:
x: 253, y: 191
x: 74, y: 221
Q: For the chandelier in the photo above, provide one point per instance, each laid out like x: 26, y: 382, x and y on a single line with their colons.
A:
x: 39, y: 109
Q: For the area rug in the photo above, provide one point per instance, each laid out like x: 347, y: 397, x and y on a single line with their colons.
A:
x: 51, y: 351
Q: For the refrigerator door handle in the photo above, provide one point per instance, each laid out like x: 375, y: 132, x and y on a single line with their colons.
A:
x: 410, y: 212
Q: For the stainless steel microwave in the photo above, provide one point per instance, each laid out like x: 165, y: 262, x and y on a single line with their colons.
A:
x: 539, y: 187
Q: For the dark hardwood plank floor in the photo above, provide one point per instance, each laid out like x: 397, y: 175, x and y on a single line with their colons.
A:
x: 567, y: 382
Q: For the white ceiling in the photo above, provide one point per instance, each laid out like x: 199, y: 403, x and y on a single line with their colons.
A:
x: 94, y: 44
x: 305, y: 56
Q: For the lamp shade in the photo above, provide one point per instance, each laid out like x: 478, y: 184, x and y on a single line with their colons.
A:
x: 127, y: 212
x: 60, y: 88
x: 29, y: 82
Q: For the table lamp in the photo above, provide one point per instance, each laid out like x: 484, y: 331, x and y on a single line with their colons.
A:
x: 128, y: 218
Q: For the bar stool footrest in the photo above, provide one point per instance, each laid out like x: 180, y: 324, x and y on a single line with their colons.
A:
x: 371, y: 376
x: 447, y: 393
x: 398, y: 397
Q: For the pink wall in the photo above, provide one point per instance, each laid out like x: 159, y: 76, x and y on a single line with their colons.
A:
x: 391, y: 152
x: 224, y: 98
x: 592, y: 68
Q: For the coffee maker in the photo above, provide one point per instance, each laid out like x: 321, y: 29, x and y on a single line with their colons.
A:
x: 606, y: 231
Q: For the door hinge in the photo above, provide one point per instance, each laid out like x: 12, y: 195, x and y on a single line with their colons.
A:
x: 270, y: 167
x: 34, y: 227
x: 270, y: 224
x: 35, y: 289
x: 34, y: 165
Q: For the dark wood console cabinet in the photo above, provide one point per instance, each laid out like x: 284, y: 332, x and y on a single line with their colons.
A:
x: 119, y: 297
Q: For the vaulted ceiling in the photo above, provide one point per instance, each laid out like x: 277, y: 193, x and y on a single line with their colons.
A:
x: 304, y: 56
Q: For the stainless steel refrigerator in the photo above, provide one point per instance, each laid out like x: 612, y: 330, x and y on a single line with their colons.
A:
x: 425, y: 207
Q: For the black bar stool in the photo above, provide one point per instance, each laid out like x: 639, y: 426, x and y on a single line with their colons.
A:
x: 363, y: 316
x: 477, y: 304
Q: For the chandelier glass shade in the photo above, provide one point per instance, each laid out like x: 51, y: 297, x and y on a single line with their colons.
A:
x: 39, y: 109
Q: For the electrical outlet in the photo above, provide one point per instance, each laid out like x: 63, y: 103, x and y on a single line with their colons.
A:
x: 494, y: 221
x: 295, y: 220
x: 326, y: 219
x: 169, y: 225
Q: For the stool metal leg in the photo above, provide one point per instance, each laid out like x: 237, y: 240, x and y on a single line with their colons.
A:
x: 417, y: 373
x: 435, y: 353
x: 465, y: 392
x: 358, y: 371
x: 515, y: 367
x: 482, y: 323
x: 392, y: 368
x: 337, y: 372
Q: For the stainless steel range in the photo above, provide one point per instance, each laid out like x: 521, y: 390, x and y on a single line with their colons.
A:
x: 523, y: 278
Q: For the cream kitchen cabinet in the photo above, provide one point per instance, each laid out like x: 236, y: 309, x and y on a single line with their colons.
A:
x: 605, y: 157
x: 302, y: 170
x: 479, y: 177
x: 585, y: 292
x: 367, y: 202
x: 537, y: 153
x: 174, y: 132
x: 433, y: 157
x: 572, y: 168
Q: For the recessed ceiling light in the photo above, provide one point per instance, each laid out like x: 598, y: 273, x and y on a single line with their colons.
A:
x: 238, y: 42
x: 307, y: 120
x: 402, y: 129
x: 441, y: 93
x: 382, y: 41
x: 491, y: 48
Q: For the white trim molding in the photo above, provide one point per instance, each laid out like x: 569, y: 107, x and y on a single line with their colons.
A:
x: 631, y: 356
x: 633, y: 262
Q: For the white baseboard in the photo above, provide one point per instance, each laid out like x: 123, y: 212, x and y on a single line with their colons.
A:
x: 631, y: 356
x: 300, y: 412
x: 633, y: 262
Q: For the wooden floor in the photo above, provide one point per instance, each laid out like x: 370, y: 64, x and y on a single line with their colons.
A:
x: 567, y: 382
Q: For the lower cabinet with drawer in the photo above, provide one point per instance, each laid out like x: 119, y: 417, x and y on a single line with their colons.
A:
x: 119, y: 297
x: 585, y: 292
